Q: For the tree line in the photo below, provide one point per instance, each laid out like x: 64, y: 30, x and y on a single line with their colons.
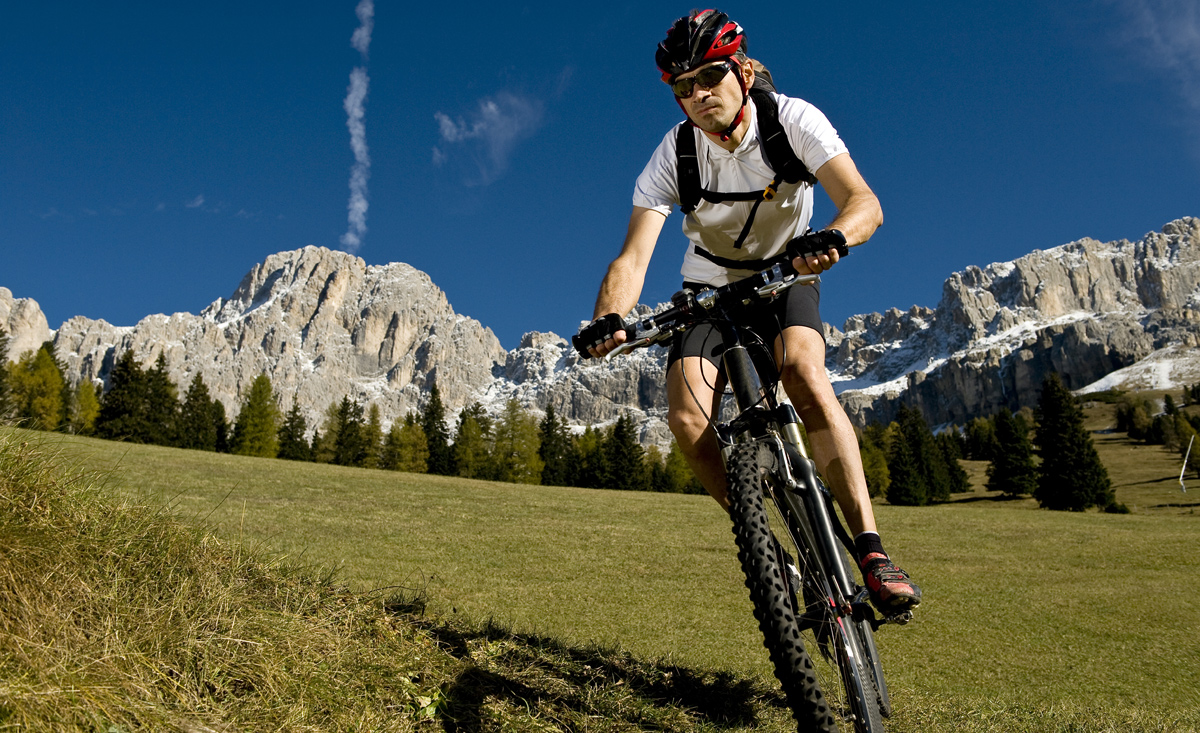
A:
x: 1046, y: 453
x: 143, y: 405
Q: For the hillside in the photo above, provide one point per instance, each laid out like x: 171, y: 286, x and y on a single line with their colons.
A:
x: 1027, y: 649
x: 118, y: 617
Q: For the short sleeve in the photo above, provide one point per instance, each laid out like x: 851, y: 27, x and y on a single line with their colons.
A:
x: 657, y: 187
x: 812, y: 136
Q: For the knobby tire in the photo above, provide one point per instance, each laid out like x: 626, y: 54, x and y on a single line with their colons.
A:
x: 775, y: 608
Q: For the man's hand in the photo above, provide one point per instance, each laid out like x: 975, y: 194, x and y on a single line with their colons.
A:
x: 816, y: 252
x: 816, y: 264
x: 600, y: 336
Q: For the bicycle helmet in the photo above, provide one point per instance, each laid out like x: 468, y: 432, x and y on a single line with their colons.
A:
x: 699, y: 39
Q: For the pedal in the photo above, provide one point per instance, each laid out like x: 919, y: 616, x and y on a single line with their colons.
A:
x: 899, y: 618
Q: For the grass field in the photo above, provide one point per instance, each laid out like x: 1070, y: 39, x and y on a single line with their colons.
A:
x: 1032, y: 620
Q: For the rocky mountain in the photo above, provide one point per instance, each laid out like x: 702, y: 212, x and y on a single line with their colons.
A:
x: 1085, y: 309
x: 320, y: 323
x: 323, y: 324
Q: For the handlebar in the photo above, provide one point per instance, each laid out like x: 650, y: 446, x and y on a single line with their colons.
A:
x: 688, y: 308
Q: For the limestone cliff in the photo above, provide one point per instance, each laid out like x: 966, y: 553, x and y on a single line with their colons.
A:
x: 321, y: 324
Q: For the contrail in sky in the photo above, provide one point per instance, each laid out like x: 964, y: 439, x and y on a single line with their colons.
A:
x: 356, y: 96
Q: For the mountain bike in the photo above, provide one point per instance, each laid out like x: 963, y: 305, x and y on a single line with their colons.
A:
x: 817, y: 622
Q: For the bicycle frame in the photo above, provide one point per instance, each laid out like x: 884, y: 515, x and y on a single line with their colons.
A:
x: 804, y: 496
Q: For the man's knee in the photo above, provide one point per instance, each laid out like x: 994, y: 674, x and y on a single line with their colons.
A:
x: 804, y: 384
x: 688, y: 426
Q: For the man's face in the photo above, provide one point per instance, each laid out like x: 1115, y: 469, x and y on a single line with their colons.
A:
x: 713, y: 110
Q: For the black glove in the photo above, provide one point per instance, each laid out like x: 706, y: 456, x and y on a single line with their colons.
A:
x: 596, y: 333
x: 818, y: 243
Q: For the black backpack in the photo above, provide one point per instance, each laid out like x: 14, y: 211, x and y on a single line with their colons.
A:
x: 788, y: 168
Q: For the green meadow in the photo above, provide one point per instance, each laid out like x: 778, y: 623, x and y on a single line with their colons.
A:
x: 1031, y: 620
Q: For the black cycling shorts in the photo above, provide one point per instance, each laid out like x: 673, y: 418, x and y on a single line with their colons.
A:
x: 798, y: 306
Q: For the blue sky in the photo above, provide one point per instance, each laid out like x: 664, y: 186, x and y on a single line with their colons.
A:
x: 152, y: 153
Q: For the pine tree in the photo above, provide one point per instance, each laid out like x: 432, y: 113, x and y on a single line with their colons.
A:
x: 1071, y: 476
x: 124, y: 407
x: 1012, y: 470
x: 162, y: 404
x: 472, y: 452
x: 6, y: 407
x: 66, y: 392
x: 324, y: 442
x: 589, y: 468
x: 255, y: 432
x: 980, y: 440
x: 350, y: 449
x: 218, y: 415
x: 554, y: 449
x: 908, y: 486
x: 409, y: 447
x: 37, y: 388
x: 872, y: 448
x: 372, y: 438
x: 433, y: 422
x: 515, y: 446
x: 624, y: 469
x: 683, y: 479
x: 197, y: 418
x: 293, y: 446
x: 925, y: 453
x: 84, y: 409
x: 950, y: 450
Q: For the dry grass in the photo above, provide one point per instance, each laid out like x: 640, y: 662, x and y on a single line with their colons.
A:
x: 119, y: 618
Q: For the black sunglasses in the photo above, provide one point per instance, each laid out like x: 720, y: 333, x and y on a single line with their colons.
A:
x: 709, y: 77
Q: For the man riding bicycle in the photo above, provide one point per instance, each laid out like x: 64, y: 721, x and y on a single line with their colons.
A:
x: 703, y: 59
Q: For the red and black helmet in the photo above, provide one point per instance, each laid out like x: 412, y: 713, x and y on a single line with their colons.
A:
x: 695, y: 40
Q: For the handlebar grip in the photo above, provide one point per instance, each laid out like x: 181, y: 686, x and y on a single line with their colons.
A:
x: 817, y: 243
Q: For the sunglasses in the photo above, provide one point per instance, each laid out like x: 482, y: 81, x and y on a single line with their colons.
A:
x: 709, y: 77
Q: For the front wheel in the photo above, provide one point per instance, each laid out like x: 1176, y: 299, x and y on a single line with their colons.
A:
x: 837, y: 683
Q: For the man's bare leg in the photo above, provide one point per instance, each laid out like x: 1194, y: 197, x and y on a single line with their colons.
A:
x: 834, y: 444
x: 691, y: 403
x: 835, y: 450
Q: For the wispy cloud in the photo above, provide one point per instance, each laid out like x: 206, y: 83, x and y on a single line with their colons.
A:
x: 355, y: 106
x: 195, y: 203
x: 489, y: 137
x: 1165, y: 35
x: 361, y: 40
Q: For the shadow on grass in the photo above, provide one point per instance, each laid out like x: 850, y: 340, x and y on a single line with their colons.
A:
x: 538, y: 673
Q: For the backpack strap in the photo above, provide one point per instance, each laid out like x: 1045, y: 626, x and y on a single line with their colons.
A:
x: 780, y: 156
x: 687, y: 168
x: 788, y: 168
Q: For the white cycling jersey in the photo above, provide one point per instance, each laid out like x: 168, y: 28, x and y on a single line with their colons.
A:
x: 715, y: 227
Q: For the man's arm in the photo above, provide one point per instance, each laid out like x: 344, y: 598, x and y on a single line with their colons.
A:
x: 622, y: 285
x: 859, y: 213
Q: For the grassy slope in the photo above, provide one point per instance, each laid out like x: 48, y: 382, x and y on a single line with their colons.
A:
x: 1055, y: 620
x: 120, y: 618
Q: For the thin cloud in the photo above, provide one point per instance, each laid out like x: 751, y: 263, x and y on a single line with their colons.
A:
x: 491, y: 134
x: 361, y: 40
x: 1165, y: 35
x: 355, y: 106
x: 195, y: 203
